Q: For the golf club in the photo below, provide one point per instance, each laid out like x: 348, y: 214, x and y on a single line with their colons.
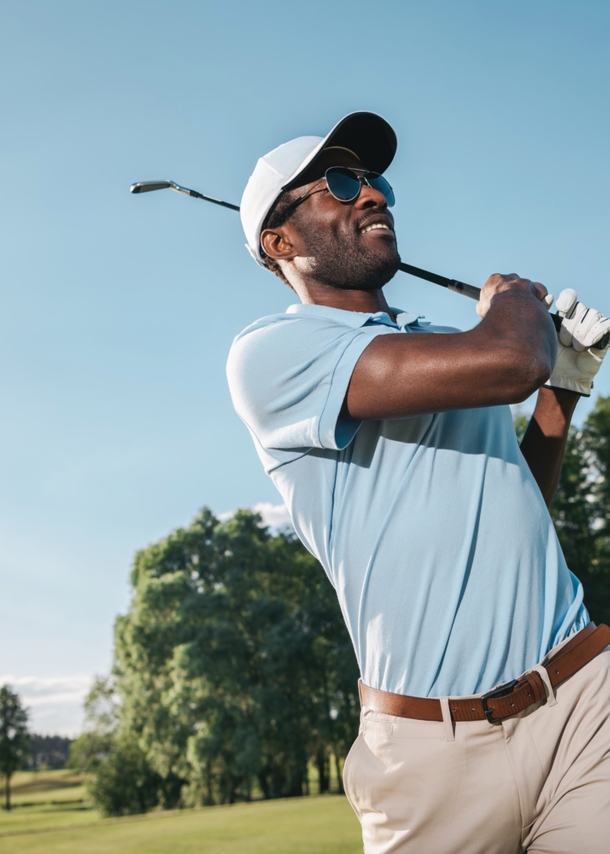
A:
x: 451, y: 284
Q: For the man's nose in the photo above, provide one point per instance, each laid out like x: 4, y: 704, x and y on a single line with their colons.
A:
x: 371, y: 198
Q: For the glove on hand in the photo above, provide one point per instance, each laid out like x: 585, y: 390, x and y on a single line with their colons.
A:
x: 581, y: 327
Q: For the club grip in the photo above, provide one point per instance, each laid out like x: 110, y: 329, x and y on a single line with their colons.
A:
x: 464, y: 289
x: 443, y: 281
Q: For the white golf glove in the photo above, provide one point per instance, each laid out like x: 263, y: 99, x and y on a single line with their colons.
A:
x: 577, y: 360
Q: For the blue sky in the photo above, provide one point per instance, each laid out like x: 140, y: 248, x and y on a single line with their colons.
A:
x: 117, y: 312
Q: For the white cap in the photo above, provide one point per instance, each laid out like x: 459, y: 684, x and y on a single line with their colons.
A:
x: 368, y: 135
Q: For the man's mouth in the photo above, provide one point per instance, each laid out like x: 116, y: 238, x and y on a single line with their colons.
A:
x: 377, y: 222
x: 375, y: 225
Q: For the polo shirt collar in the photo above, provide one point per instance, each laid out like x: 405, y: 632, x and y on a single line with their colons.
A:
x: 357, y: 318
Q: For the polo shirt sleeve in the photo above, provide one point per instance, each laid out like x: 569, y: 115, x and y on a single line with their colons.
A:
x: 288, y: 379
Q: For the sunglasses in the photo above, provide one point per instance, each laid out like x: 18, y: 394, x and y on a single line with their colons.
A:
x: 344, y: 185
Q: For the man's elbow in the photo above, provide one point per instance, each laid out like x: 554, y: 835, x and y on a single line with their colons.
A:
x: 528, y: 373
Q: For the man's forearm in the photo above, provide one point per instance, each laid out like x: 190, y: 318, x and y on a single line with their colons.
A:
x: 503, y: 359
x: 545, y: 438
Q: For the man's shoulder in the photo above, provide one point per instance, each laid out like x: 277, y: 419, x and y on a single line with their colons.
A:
x: 299, y: 323
x: 306, y: 314
x: 267, y: 322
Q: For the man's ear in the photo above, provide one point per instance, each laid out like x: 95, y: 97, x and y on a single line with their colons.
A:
x: 276, y: 244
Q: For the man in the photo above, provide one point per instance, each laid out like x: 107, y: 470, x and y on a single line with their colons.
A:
x: 393, y: 447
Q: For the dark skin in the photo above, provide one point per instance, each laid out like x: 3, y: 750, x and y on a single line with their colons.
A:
x: 503, y: 360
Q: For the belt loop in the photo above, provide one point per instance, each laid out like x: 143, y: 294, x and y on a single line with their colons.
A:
x: 448, y: 725
x: 546, y: 679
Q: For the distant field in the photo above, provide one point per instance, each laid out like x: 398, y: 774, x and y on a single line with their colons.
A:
x: 51, y: 817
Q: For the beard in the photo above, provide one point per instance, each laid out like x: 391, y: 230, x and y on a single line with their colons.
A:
x: 349, y: 265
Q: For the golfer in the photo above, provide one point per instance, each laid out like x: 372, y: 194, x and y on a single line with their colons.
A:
x: 485, y: 693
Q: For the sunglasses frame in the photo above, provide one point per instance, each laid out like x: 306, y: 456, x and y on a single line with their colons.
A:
x: 361, y: 176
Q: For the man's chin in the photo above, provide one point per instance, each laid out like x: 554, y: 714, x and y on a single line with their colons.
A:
x: 366, y: 273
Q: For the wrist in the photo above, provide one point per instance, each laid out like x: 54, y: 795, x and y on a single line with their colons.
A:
x: 578, y: 388
x: 558, y: 404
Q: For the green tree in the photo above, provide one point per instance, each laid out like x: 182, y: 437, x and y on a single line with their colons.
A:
x: 596, y: 452
x: 14, y: 737
x: 233, y: 663
x: 123, y: 782
x: 581, y: 507
x: 120, y: 780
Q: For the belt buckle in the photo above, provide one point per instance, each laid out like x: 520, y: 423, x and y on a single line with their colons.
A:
x: 501, y: 691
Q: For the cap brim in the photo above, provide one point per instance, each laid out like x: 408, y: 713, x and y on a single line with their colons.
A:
x: 368, y: 135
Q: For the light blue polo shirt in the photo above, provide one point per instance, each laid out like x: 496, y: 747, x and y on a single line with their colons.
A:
x: 431, y: 529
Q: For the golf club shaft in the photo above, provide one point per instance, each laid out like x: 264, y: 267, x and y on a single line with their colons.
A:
x: 197, y: 195
x: 451, y: 284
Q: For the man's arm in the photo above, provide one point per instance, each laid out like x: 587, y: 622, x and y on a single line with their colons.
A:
x: 577, y: 364
x: 544, y: 442
x: 504, y: 359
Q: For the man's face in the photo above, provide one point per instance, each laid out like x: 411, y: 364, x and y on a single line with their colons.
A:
x: 349, y: 245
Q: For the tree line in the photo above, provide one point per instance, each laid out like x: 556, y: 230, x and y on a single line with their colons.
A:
x: 233, y: 669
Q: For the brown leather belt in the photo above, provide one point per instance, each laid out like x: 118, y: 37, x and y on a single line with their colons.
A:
x: 506, y: 700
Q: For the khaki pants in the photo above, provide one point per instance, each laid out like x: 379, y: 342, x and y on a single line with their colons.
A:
x: 537, y: 782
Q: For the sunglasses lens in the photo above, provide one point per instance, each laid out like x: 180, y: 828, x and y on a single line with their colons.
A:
x: 345, y: 184
x: 378, y: 182
x: 342, y: 183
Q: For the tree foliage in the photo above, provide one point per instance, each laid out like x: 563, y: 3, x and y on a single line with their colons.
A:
x: 581, y: 508
x: 123, y: 782
x: 233, y: 668
x: 14, y: 738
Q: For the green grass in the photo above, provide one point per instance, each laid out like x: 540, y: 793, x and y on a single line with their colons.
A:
x: 46, y: 786
x: 45, y: 799
x: 51, y: 816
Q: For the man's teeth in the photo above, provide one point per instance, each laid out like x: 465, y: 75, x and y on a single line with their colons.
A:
x: 375, y: 225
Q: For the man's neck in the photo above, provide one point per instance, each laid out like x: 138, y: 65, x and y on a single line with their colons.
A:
x: 363, y: 301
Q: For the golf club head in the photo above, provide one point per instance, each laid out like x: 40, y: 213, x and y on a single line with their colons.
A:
x: 148, y: 186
